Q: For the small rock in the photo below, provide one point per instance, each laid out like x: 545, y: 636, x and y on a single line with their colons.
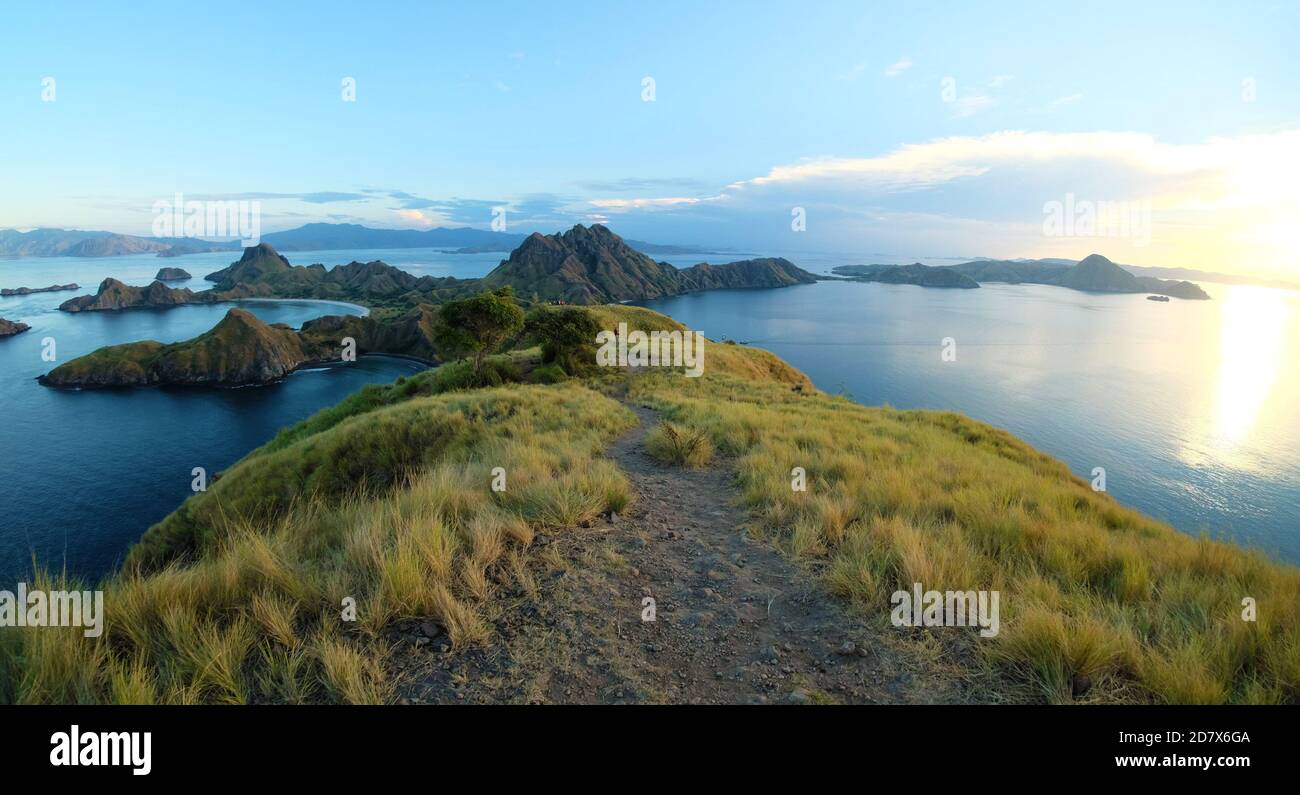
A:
x: 541, y: 539
x: 430, y: 629
x: 613, y: 518
x: 849, y: 647
x: 1080, y: 684
x: 798, y: 697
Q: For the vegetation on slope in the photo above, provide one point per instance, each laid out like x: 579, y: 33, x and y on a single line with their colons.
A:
x: 386, y: 498
x: 241, y: 349
x: 237, y: 596
x: 1088, y: 588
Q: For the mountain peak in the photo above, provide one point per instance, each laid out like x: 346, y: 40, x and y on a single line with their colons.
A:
x: 262, y: 251
x: 1095, y: 260
x: 236, y: 317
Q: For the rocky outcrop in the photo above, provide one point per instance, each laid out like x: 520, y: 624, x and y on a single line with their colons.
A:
x: 410, y: 334
x: 172, y: 275
x: 916, y: 273
x: 257, y: 263
x: 239, y: 350
x: 262, y: 272
x: 1178, y: 289
x: 8, y: 328
x: 592, y: 265
x: 585, y: 265
x: 54, y: 288
x: 113, y: 295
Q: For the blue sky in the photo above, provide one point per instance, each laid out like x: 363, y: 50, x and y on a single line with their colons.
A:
x: 920, y: 129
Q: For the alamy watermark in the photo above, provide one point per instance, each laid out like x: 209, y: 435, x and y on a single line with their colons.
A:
x: 921, y: 608
x: 208, y: 219
x: 1074, y: 217
x: 75, y: 748
x: 654, y: 349
x: 38, y: 608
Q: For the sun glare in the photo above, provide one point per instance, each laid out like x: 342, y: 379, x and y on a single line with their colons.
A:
x: 1251, y: 341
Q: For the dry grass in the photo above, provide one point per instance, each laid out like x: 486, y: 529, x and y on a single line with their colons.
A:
x: 683, y: 447
x: 1087, y: 586
x: 385, y: 501
x: 256, y: 615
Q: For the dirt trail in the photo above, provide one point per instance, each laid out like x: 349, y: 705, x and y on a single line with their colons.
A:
x: 735, y: 621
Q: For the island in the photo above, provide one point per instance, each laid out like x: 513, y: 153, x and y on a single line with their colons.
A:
x: 592, y: 265
x: 172, y: 275
x: 114, y: 295
x: 9, y: 328
x: 243, y: 350
x: 585, y: 265
x: 1094, y: 273
x: 916, y: 273
x: 54, y: 288
x: 239, y: 350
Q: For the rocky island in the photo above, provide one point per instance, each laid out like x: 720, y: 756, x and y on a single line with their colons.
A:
x: 113, y: 295
x: 242, y: 350
x: 8, y: 328
x: 592, y: 265
x: 239, y: 350
x: 54, y: 288
x: 172, y: 275
x: 1094, y: 274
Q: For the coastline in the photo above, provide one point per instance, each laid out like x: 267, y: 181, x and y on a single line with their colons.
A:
x: 362, y: 311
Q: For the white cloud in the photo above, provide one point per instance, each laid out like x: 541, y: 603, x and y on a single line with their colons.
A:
x: 643, y: 204
x: 1221, y: 203
x: 415, y: 216
x: 1068, y: 99
x: 898, y: 67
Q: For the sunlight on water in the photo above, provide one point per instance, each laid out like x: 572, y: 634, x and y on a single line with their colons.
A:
x: 1254, y: 325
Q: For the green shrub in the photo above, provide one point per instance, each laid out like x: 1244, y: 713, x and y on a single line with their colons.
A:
x: 548, y: 374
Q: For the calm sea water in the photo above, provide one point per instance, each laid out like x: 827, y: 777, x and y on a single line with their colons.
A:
x: 1192, y: 407
x: 84, y: 473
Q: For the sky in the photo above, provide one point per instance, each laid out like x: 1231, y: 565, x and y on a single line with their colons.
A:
x: 922, y: 130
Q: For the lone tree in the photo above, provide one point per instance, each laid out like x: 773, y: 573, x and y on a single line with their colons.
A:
x: 480, y: 324
x: 568, y: 336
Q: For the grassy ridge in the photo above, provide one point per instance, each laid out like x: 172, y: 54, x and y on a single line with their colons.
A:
x: 386, y: 498
x: 1088, y: 587
x: 237, y: 596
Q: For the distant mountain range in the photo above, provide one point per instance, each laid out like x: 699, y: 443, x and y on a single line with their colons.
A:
x: 310, y: 237
x: 1094, y: 273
